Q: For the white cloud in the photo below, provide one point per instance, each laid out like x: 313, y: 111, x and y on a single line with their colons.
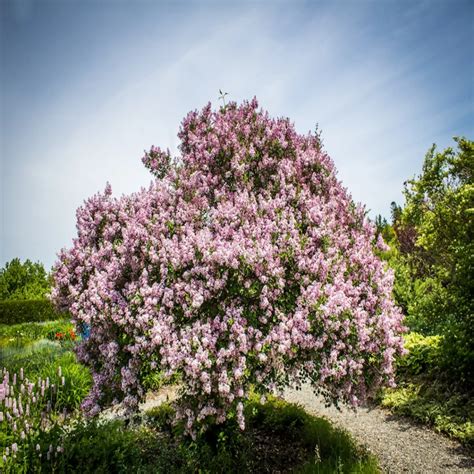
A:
x: 321, y: 66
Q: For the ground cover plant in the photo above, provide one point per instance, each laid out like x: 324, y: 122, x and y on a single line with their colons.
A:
x: 245, y: 263
x: 280, y: 437
x: 21, y: 334
x: 431, y: 250
x: 423, y: 394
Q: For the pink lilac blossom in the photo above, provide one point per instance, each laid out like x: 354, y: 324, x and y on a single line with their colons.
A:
x: 245, y: 263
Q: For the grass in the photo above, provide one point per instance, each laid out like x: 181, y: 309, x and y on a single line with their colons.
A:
x: 44, y: 362
x: 25, y: 333
x: 26, y: 346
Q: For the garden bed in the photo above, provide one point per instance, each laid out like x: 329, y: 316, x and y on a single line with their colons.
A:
x: 279, y: 436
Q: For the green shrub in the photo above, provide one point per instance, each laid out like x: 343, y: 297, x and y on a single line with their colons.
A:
x: 21, y: 311
x: 23, y: 281
x: 433, y: 403
x: 100, y: 447
x: 434, y: 257
x: 279, y: 437
x: 426, y: 394
x: 422, y: 357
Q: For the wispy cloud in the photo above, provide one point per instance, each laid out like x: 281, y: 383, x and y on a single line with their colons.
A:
x: 382, y: 82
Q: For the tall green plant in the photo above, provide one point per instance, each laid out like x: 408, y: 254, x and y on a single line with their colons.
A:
x: 434, y: 236
x: 23, y: 281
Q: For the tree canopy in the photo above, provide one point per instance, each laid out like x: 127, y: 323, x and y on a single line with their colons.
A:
x: 245, y: 264
x: 433, y: 254
x: 23, y: 281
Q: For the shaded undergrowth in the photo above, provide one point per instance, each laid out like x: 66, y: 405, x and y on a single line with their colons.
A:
x: 280, y: 437
x: 425, y: 393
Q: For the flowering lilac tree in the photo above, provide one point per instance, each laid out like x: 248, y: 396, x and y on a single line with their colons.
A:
x: 245, y: 263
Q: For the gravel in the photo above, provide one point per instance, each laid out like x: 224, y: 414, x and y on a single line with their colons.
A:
x: 399, y: 444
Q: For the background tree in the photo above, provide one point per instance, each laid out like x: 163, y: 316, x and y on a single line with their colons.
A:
x: 23, y: 281
x: 433, y: 256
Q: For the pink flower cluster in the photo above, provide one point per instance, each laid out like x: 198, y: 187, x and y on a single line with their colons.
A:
x: 27, y: 410
x: 245, y: 263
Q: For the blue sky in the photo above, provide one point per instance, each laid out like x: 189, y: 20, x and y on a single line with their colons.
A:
x: 86, y: 86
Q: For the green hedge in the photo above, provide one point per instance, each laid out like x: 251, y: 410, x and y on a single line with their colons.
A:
x: 24, y: 311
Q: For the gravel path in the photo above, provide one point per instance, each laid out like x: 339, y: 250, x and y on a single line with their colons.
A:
x: 399, y: 444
